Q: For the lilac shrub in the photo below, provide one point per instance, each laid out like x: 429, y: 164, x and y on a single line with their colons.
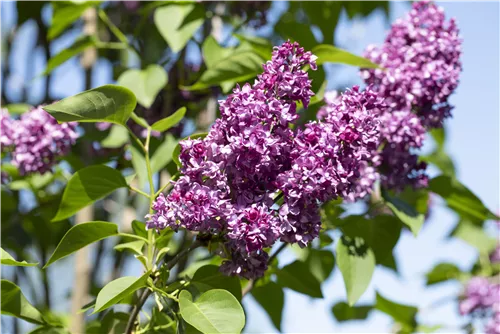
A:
x: 482, y: 299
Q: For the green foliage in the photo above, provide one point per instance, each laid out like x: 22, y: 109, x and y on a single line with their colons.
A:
x: 14, y: 303
x: 117, y: 290
x: 80, y: 45
x: 66, y: 13
x: 380, y: 233
x: 331, y: 54
x: 460, y: 199
x: 296, y: 276
x: 215, y: 311
x: 8, y: 260
x: 133, y: 246
x: 405, y: 212
x: 107, y: 103
x: 356, y: 262
x: 87, y: 186
x: 80, y: 236
x: 402, y: 314
x: 178, y: 22
x: 474, y: 236
x: 272, y: 299
x: 343, y: 312
x: 170, y: 121
x: 145, y: 84
x: 209, y: 277
x: 118, y: 136
x: 320, y: 263
x: 442, y: 272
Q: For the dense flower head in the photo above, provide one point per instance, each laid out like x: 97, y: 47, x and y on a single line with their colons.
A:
x: 37, y: 140
x: 480, y: 295
x: 493, y: 324
x: 5, y: 129
x: 251, y: 160
x: 420, y: 63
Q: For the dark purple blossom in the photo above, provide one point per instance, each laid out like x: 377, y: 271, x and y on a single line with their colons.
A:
x: 38, y: 140
x: 5, y: 129
x: 420, y: 64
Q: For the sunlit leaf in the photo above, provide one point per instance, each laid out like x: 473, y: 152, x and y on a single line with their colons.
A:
x: 8, y: 260
x: 145, y: 83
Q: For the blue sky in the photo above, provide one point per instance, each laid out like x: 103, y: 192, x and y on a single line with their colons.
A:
x: 473, y: 143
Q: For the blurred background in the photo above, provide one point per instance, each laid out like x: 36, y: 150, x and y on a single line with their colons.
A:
x: 472, y: 138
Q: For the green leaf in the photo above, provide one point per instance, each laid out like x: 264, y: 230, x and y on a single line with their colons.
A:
x: 170, y: 121
x: 209, y: 277
x: 177, y: 149
x: 325, y: 15
x: 343, y: 312
x: 163, y: 154
x: 117, y: 137
x: 145, y: 84
x: 320, y: 263
x: 460, y: 199
x: 380, y: 233
x: 177, y: 23
x: 14, y: 303
x: 133, y: 246
x: 76, y: 48
x: 87, y: 186
x: 49, y: 330
x: 8, y: 260
x: 356, y: 262
x: 65, y: 13
x: 215, y: 311
x: 109, y: 103
x: 331, y: 54
x: 474, y: 236
x: 289, y: 28
x: 405, y: 212
x: 18, y: 108
x: 80, y: 236
x: 402, y: 314
x: 113, y: 292
x: 213, y: 52
x: 442, y: 272
x: 272, y: 299
x: 296, y: 276
x: 239, y: 66
x: 139, y: 228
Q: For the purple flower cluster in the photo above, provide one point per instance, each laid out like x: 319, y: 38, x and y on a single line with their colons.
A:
x: 420, y: 62
x: 482, y: 298
x: 36, y: 140
x: 253, y: 180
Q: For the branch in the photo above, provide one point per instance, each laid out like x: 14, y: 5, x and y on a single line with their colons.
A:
x: 147, y: 292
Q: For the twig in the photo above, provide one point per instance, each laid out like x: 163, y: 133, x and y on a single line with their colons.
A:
x: 147, y: 292
x: 251, y: 283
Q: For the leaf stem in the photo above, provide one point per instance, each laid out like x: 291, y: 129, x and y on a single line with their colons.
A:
x: 139, y: 191
x: 114, y: 29
x: 136, y: 139
x: 151, y: 235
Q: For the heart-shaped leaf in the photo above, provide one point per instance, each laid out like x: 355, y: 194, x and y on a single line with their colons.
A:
x: 177, y: 23
x: 109, y: 103
x: 14, y: 303
x: 133, y: 246
x: 215, y: 311
x: 87, y: 186
x: 170, y: 121
x: 272, y: 299
x: 8, y: 260
x: 209, y: 277
x: 343, y: 312
x: 356, y: 262
x: 402, y: 314
x: 116, y: 290
x: 80, y: 236
x: 296, y: 276
x: 145, y: 84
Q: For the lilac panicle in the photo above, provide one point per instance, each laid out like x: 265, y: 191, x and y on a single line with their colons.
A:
x: 37, y: 140
x: 420, y: 63
x: 480, y: 294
